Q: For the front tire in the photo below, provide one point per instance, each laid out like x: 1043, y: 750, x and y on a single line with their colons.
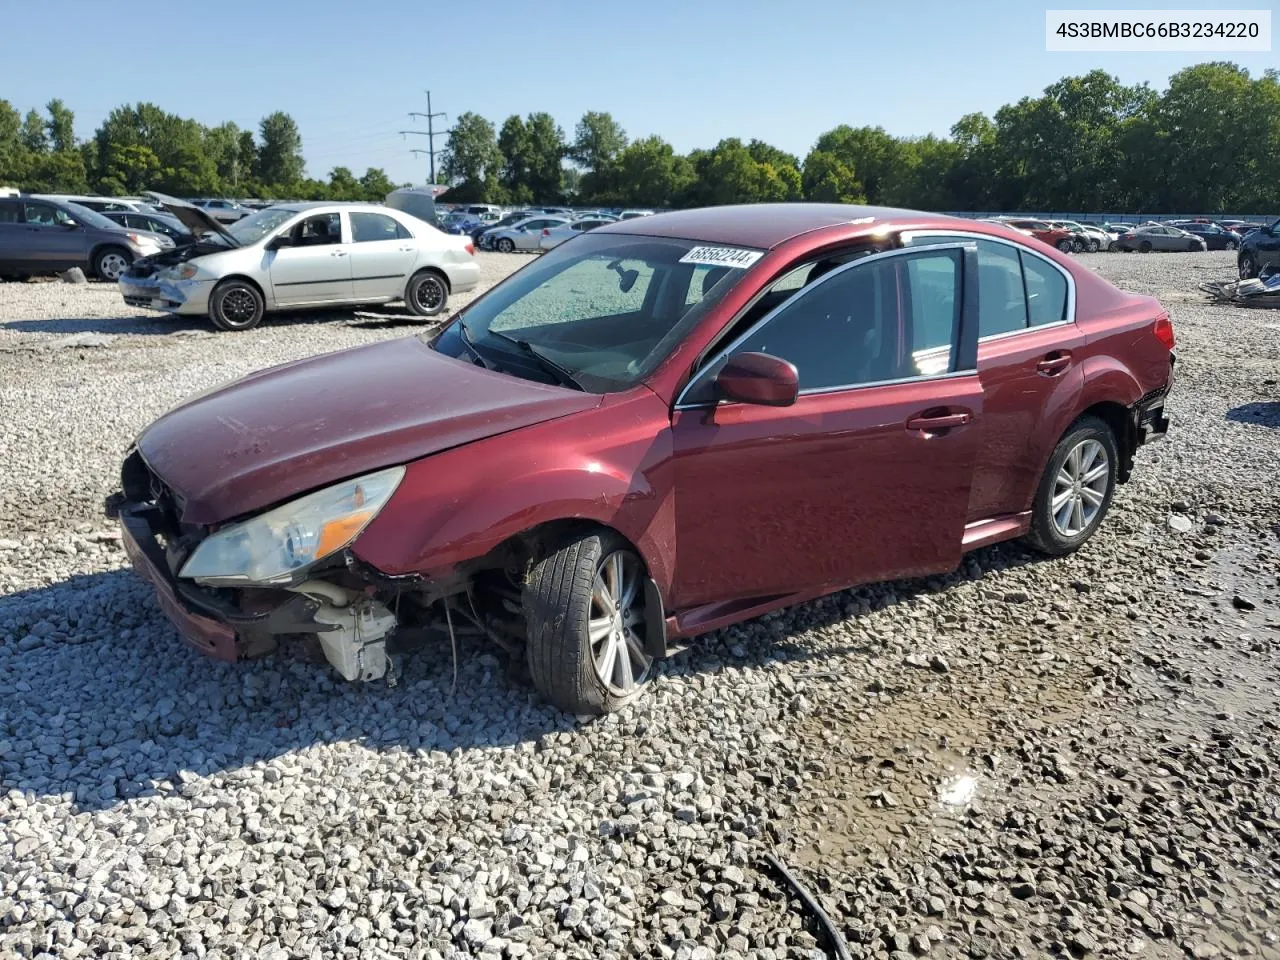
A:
x: 506, y: 245
x: 1076, y: 489
x: 1232, y: 245
x: 110, y: 263
x: 427, y: 293
x: 584, y: 611
x: 1144, y: 247
x: 1093, y: 246
x: 235, y: 305
x: 1066, y: 246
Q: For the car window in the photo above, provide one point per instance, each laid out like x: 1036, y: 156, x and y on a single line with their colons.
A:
x: 1046, y: 291
x: 44, y: 213
x: 8, y: 212
x: 323, y: 228
x: 1002, y: 299
x: 883, y: 320
x: 366, y: 227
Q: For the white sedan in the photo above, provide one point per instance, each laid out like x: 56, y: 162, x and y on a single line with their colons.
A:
x: 297, y: 256
x: 554, y: 236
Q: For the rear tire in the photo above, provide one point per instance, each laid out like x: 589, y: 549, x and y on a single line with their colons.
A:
x: 574, y: 640
x: 1066, y: 246
x: 235, y: 305
x: 110, y: 263
x: 1144, y: 247
x: 506, y: 245
x: 1073, y: 497
x: 1232, y: 245
x: 1093, y: 246
x: 426, y: 293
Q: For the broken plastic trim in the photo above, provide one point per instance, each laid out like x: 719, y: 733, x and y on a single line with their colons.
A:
x: 840, y: 948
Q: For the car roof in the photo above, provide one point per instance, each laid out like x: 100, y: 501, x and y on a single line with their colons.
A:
x: 766, y: 225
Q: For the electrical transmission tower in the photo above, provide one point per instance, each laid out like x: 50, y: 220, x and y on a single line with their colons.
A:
x: 430, y: 133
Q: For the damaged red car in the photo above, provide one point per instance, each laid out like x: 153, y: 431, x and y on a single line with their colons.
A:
x: 661, y: 427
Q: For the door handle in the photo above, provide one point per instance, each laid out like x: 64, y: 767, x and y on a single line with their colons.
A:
x: 1054, y: 363
x: 338, y: 253
x: 930, y: 422
x: 406, y: 249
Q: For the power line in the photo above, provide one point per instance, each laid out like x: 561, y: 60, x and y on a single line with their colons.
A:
x: 430, y: 133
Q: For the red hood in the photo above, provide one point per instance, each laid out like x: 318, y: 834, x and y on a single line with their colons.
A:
x: 286, y: 430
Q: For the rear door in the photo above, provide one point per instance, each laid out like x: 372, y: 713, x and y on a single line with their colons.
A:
x: 382, y: 254
x: 317, y: 267
x: 867, y: 475
x: 1029, y: 368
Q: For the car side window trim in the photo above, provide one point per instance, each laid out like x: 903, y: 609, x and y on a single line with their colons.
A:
x: 710, y: 364
x: 908, y: 235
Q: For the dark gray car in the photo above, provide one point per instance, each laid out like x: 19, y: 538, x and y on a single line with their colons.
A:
x: 1148, y: 238
x: 170, y: 226
x: 45, y: 236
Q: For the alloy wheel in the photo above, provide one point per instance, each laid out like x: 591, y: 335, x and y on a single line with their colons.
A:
x: 238, y: 306
x: 617, y: 614
x: 112, y: 266
x: 1080, y: 488
x: 429, y: 292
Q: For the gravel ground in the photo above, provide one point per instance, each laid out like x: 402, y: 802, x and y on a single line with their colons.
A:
x: 1025, y: 758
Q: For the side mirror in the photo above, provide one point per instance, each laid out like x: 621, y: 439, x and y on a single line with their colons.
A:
x: 759, y: 378
x: 280, y: 242
x: 70, y: 224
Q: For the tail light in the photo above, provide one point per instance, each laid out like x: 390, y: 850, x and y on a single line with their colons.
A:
x: 470, y: 248
x: 1164, y: 331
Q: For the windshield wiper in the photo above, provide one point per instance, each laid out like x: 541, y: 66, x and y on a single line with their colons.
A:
x: 563, y: 376
x: 467, y: 342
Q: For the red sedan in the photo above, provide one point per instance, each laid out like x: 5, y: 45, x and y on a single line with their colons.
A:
x: 660, y: 427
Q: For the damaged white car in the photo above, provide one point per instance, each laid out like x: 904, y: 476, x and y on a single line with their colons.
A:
x: 300, y: 256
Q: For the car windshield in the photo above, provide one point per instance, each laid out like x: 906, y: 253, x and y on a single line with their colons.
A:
x: 253, y: 228
x: 91, y: 218
x: 606, y: 309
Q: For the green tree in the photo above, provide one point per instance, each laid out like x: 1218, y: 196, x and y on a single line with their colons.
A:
x: 546, y: 156
x: 877, y: 157
x: 33, y: 135
x: 12, y: 152
x: 60, y: 126
x: 132, y: 168
x: 597, y: 140
x: 279, y: 158
x: 647, y: 173
x: 375, y: 184
x: 516, y: 147
x: 343, y: 185
x: 828, y: 179
x: 472, y: 160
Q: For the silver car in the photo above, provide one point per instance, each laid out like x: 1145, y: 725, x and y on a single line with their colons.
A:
x: 554, y: 236
x: 1159, y: 237
x: 525, y: 235
x: 296, y: 256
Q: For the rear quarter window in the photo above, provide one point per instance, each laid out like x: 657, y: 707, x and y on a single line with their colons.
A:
x: 1046, y: 291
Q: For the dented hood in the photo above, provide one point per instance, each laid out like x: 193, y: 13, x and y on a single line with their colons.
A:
x: 290, y: 429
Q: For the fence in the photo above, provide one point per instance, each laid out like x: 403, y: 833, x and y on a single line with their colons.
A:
x: 1118, y: 217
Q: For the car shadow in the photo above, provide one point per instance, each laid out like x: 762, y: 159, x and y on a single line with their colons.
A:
x: 1263, y: 413
x: 103, y: 703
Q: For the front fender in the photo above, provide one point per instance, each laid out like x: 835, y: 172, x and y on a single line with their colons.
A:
x: 601, y: 466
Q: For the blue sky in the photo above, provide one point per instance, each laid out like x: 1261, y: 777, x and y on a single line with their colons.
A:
x: 693, y: 71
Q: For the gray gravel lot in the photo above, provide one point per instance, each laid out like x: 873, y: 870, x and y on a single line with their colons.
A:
x: 1025, y: 758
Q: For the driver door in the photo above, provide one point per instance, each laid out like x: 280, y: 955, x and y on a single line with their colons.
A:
x: 316, y: 267
x: 55, y: 244
x: 867, y: 475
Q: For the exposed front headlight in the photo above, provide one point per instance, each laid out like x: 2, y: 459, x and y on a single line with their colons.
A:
x: 273, y: 547
x: 184, y: 271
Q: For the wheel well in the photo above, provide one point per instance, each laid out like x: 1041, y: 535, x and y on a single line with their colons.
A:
x: 1117, y: 417
x: 439, y: 273
x: 108, y: 245
x: 243, y: 279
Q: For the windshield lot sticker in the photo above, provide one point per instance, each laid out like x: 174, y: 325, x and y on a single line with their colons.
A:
x: 722, y: 257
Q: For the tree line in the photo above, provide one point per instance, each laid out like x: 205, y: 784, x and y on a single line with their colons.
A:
x: 142, y: 147
x: 1209, y: 142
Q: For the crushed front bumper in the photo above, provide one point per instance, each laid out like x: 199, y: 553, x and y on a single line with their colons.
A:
x: 188, y: 297
x: 225, y: 625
